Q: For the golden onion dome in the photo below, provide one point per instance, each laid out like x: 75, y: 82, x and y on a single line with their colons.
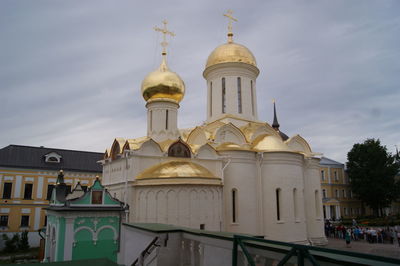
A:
x: 163, y: 84
x: 231, y: 52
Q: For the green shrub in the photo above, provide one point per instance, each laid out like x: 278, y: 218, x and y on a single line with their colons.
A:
x: 10, y: 243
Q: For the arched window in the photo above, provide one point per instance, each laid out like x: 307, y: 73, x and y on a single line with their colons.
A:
x: 223, y: 96
x: 211, y: 91
x: 252, y: 96
x: 317, y: 204
x: 278, y: 203
x: 179, y: 149
x: 151, y: 120
x: 239, y: 92
x: 166, y: 119
x: 234, y: 205
x: 295, y: 211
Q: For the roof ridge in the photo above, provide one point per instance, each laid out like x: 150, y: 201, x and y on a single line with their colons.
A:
x: 43, y: 147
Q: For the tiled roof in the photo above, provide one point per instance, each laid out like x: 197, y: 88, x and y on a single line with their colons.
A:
x: 17, y: 156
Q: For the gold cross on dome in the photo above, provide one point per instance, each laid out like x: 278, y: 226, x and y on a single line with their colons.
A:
x: 231, y: 19
x: 164, y: 31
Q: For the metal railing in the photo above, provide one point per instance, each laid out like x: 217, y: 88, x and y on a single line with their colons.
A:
x: 150, y: 247
x: 252, y: 249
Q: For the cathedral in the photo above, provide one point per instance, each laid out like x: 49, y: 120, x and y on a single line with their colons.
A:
x: 232, y: 173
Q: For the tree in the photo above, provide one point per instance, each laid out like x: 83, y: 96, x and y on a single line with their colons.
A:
x: 372, y: 172
x: 10, y: 243
x: 23, y: 243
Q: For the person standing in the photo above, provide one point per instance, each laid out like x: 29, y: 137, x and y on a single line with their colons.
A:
x: 398, y: 237
x: 348, y: 237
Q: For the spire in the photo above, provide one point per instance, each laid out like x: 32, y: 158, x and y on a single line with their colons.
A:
x: 230, y: 33
x: 164, y: 44
x: 275, y: 124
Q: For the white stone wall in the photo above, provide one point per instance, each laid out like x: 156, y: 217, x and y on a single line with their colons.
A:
x: 283, y: 171
x: 313, y: 201
x: 241, y: 175
x: 182, y: 205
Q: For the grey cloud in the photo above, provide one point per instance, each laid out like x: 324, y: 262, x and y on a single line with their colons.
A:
x: 70, y: 71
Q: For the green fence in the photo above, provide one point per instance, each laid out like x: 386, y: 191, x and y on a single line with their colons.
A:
x: 257, y: 251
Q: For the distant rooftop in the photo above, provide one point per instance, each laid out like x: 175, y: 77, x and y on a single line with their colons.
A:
x: 18, y: 156
x: 327, y: 161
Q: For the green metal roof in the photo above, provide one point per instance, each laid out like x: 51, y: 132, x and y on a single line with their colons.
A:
x: 97, y: 262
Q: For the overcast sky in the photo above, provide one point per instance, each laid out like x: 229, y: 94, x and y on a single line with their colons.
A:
x: 70, y: 71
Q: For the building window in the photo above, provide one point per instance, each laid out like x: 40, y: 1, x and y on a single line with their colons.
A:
x: 4, y: 220
x: 7, y: 188
x: 252, y: 96
x: 52, y: 160
x: 151, y: 120
x: 345, y: 211
x: 351, y: 194
x: 52, y: 157
x: 234, y: 205
x: 322, y: 175
x: 178, y: 149
x: 211, y: 91
x: 25, y: 221
x: 166, y: 119
x: 28, y: 191
x: 278, y: 203
x: 317, y: 204
x: 45, y: 220
x: 344, y: 193
x: 202, y: 226
x: 336, y: 176
x: 295, y: 203
x: 336, y: 193
x: 97, y: 197
x: 324, y: 193
x: 239, y: 92
x: 68, y: 190
x: 223, y: 96
x: 49, y: 191
x: 351, y: 211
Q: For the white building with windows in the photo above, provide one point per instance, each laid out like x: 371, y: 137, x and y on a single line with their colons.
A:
x: 233, y: 173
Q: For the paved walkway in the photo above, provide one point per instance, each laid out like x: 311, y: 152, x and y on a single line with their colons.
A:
x: 386, y: 250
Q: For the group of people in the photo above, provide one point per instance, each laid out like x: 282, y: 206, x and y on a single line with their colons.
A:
x: 356, y: 233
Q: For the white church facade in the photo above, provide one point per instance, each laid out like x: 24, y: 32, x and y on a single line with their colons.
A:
x: 233, y: 173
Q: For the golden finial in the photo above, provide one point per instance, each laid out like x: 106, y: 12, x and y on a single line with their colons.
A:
x: 229, y: 16
x: 164, y: 31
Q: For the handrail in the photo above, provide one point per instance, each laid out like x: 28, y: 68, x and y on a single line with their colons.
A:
x: 302, y: 252
x: 146, y: 251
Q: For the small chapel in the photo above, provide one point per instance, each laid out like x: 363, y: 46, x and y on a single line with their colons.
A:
x: 232, y: 173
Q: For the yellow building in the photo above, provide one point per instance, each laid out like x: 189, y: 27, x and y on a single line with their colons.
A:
x: 337, y: 197
x: 27, y: 177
